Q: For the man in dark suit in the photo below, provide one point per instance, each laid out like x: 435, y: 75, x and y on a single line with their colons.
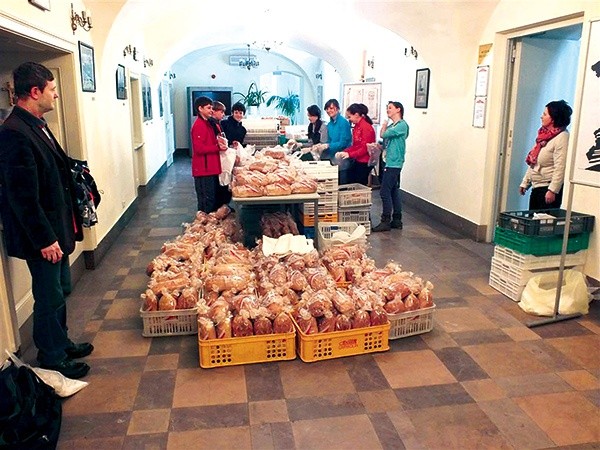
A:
x: 38, y: 207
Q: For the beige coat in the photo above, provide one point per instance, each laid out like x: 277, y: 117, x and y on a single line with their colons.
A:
x: 550, y: 168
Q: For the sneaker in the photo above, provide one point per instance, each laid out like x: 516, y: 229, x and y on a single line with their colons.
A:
x: 69, y: 368
x: 79, y: 350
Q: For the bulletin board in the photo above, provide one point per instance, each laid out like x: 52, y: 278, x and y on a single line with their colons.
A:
x: 366, y: 93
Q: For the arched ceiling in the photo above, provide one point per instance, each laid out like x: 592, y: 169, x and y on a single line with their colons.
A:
x: 336, y: 31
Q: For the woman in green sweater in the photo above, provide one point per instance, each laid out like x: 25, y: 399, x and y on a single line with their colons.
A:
x: 395, y: 136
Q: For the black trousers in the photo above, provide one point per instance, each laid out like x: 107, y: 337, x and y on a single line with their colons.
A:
x: 206, y: 192
x: 359, y: 173
x: 51, y: 283
x: 537, y: 199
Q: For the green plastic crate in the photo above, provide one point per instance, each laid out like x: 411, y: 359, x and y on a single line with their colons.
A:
x: 539, y: 245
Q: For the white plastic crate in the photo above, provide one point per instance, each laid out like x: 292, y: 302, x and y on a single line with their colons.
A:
x: 524, y: 261
x: 326, y: 230
x: 327, y: 204
x: 511, y: 280
x: 321, y: 170
x: 367, y: 225
x: 330, y: 185
x: 354, y: 195
x: 169, y: 323
x: 360, y: 214
x: 411, y: 322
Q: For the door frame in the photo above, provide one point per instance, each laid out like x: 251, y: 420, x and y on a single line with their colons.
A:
x: 501, y: 113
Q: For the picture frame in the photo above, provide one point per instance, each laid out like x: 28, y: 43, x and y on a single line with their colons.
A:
x: 146, y: 98
x: 368, y: 94
x: 87, y: 66
x: 42, y: 4
x: 120, y: 80
x: 422, y: 88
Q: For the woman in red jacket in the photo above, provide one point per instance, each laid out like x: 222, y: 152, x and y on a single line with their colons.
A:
x: 363, y: 133
x: 206, y: 162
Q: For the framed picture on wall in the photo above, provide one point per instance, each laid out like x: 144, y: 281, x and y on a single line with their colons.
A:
x: 422, y: 88
x: 88, y: 70
x: 121, y: 91
x: 146, y: 98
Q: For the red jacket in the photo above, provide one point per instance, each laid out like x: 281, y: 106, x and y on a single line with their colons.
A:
x: 363, y: 133
x: 205, y: 155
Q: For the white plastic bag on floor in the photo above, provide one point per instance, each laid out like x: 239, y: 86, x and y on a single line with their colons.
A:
x: 63, y: 386
x: 539, y: 294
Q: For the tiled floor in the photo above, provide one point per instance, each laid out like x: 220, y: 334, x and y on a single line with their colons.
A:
x: 480, y: 379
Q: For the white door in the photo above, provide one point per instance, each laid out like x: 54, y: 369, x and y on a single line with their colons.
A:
x: 545, y: 69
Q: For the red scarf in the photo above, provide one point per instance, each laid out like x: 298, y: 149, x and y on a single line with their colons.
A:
x: 543, y: 137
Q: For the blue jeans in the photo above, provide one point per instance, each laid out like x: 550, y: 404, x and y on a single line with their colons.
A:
x: 390, y: 191
x: 51, y: 283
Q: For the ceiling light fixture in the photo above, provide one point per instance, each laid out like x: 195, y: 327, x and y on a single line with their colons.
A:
x: 249, y: 62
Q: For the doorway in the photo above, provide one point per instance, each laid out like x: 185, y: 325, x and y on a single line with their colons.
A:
x: 543, y: 68
x: 137, y: 134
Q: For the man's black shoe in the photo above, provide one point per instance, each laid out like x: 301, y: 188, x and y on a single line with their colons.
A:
x: 79, y: 350
x: 69, y: 368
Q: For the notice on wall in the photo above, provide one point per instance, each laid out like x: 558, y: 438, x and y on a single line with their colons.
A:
x: 479, y: 112
x: 587, y: 152
x: 484, y: 50
x: 366, y: 93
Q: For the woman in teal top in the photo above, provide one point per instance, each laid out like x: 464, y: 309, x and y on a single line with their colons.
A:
x: 395, y: 136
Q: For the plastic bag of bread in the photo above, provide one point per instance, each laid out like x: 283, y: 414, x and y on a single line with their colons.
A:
x: 343, y: 302
x: 150, y: 300
x: 392, y: 289
x: 278, y: 189
x: 248, y: 302
x: 318, y: 303
x: 188, y: 298
x: 241, y: 325
x: 206, y: 329
x: 304, y: 185
x: 283, y: 324
x: 327, y: 322
x: 395, y: 306
x: 224, y: 328
x: 262, y: 325
x: 337, y: 271
x: 167, y: 302
x: 319, y: 278
x: 219, y: 311
x: 378, y: 316
x: 342, y: 322
x: 312, y: 258
x: 297, y: 280
x: 425, y: 296
x: 295, y: 261
x: 245, y: 191
x: 411, y: 302
x: 210, y: 297
x: 278, y: 274
x: 360, y: 319
x: 306, y: 322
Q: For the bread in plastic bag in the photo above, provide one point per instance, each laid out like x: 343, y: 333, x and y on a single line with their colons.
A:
x: 539, y: 295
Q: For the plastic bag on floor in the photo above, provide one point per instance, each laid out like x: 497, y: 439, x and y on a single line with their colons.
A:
x: 63, y: 386
x: 539, y: 294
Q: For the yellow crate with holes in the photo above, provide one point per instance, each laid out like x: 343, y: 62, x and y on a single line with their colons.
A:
x: 247, y: 350
x: 337, y: 344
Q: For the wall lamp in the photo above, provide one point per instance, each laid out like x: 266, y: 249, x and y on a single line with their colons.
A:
x: 148, y: 62
x: 371, y: 62
x: 413, y: 52
x: 83, y: 20
x: 129, y: 50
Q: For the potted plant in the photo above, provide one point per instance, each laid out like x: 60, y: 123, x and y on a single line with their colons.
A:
x: 288, y: 105
x: 254, y: 96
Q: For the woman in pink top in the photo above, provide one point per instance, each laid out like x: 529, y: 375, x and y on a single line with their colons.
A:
x: 363, y: 133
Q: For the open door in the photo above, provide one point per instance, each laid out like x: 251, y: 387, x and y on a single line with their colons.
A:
x: 137, y: 134
x: 544, y: 68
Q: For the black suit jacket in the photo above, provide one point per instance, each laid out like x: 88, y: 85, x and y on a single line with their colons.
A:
x: 36, y: 189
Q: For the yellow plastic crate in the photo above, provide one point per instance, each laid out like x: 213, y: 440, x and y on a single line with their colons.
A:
x: 247, y: 350
x: 309, y: 220
x: 337, y: 344
x: 411, y: 322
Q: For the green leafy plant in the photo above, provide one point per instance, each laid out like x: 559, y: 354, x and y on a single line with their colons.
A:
x: 288, y: 105
x: 254, y: 96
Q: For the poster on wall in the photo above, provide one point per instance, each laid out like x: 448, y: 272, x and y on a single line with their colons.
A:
x: 587, y: 153
x: 366, y: 93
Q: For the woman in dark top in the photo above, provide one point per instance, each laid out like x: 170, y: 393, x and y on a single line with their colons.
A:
x: 317, y: 131
x: 233, y: 128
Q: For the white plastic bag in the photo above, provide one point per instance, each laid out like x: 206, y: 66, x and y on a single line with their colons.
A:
x: 63, y: 386
x: 539, y: 294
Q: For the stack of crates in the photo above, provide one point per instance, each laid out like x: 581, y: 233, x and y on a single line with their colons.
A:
x: 327, y: 188
x: 354, y: 204
x: 527, y: 246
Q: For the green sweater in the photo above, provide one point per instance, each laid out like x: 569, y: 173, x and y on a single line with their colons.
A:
x: 395, y: 136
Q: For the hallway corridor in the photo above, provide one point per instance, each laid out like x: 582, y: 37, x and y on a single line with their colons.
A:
x: 480, y: 379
